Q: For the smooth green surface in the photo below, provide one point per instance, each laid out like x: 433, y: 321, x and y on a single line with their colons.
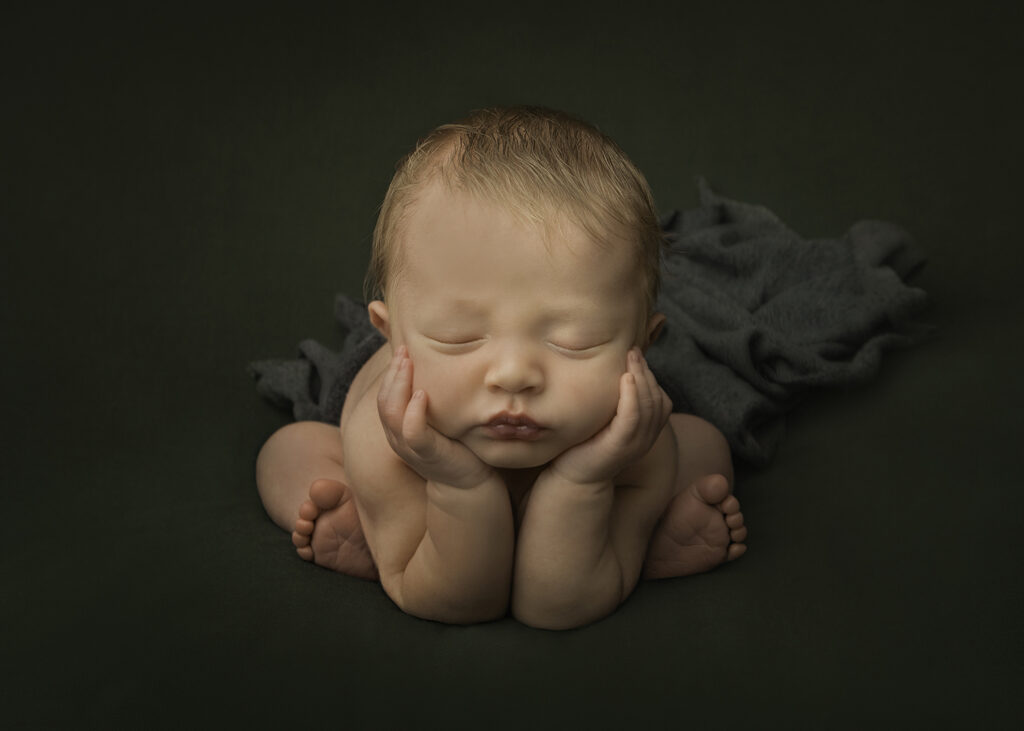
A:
x: 185, y: 190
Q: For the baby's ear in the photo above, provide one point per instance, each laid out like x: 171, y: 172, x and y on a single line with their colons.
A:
x: 654, y: 328
x: 379, y: 317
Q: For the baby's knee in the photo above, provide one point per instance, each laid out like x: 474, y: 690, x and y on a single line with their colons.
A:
x: 297, y: 441
x: 703, y: 449
x: 280, y: 442
x: 288, y: 463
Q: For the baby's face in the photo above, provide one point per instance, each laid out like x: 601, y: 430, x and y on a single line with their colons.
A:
x: 497, y: 324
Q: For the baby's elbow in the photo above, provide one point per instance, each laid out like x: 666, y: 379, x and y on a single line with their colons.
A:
x: 457, y: 612
x: 428, y: 602
x: 560, y: 617
x: 553, y: 610
x: 544, y: 618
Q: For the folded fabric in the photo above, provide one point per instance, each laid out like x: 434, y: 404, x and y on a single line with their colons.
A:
x: 756, y: 318
x: 315, y: 384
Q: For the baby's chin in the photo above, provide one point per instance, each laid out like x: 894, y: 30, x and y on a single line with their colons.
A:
x: 511, y: 455
x: 508, y: 462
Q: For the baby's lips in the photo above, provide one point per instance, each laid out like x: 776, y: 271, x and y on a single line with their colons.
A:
x: 506, y: 419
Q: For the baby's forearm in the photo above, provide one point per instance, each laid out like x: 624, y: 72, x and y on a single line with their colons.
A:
x: 566, y: 571
x: 461, y: 572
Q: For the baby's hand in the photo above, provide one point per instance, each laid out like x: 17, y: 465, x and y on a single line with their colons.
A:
x: 404, y: 417
x: 642, y: 412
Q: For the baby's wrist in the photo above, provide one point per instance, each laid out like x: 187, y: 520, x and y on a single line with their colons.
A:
x: 592, y: 481
x: 487, y: 478
x: 467, y: 501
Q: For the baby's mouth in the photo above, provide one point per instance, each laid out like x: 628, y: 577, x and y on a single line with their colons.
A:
x: 513, y: 426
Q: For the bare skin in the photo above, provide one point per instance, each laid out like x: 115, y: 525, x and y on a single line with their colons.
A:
x: 702, y: 527
x: 508, y: 448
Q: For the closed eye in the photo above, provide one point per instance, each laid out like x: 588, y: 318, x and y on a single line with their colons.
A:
x: 456, y: 341
x: 455, y: 344
x: 576, y: 350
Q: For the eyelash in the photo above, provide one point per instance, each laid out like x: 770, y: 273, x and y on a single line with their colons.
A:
x: 560, y: 348
x: 455, y: 343
x: 457, y: 340
x: 567, y: 349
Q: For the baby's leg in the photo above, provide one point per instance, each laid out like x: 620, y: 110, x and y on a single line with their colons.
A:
x: 703, y: 525
x: 289, y: 462
x: 301, y: 479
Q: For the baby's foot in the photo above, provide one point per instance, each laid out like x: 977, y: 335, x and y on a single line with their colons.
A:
x: 328, y: 532
x: 701, y: 528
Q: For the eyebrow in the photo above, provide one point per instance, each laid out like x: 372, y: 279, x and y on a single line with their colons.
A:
x: 457, y: 304
x: 571, y: 312
x: 471, y: 306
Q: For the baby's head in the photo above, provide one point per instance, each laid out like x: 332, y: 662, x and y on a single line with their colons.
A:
x: 516, y: 258
x: 542, y: 166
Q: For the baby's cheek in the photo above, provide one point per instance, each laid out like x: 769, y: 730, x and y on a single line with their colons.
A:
x: 599, y: 396
x: 442, y: 388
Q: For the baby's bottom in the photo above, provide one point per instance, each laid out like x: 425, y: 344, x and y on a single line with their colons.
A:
x: 301, y: 479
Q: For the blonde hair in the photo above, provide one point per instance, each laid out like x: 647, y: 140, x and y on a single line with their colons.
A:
x: 537, y: 163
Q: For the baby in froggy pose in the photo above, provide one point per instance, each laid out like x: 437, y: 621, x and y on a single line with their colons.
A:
x: 508, y: 449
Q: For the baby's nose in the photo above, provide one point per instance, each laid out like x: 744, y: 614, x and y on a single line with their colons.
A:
x: 514, y: 371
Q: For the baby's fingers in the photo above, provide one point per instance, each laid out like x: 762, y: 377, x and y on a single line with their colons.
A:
x: 388, y: 379
x: 415, y: 431
x: 395, y: 391
x: 627, y: 413
x: 643, y: 377
x: 660, y: 404
x: 651, y: 404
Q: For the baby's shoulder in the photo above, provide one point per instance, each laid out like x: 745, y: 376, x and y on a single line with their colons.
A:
x: 365, y: 384
x: 362, y: 434
x: 371, y: 465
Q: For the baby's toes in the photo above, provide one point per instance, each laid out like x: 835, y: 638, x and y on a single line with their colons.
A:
x: 738, y: 535
x: 308, y: 511
x: 730, y: 505
x: 326, y: 494
x: 302, y: 535
x: 301, y: 542
x: 713, y: 490
x: 735, y: 551
x: 734, y: 520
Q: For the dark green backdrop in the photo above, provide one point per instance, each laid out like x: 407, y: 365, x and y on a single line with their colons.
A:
x: 184, y: 191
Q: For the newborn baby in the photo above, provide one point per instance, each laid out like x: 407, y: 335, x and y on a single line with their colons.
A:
x: 508, y: 449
